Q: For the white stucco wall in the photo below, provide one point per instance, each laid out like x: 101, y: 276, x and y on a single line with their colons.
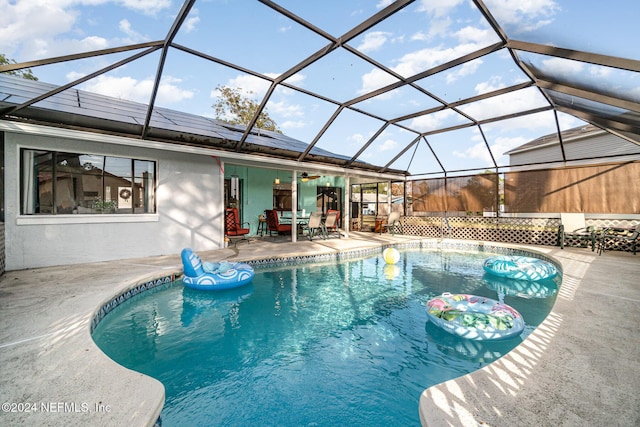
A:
x: 189, y: 210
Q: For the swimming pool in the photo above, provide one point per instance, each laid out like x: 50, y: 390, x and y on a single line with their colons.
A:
x: 311, y: 344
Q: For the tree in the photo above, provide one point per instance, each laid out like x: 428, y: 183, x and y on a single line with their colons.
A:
x: 25, y: 73
x: 235, y: 108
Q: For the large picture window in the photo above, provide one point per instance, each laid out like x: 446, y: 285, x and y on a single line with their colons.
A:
x: 55, y: 183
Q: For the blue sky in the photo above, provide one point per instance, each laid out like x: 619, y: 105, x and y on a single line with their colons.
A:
x: 423, y: 35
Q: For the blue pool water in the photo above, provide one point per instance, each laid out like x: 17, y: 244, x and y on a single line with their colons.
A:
x: 320, y: 344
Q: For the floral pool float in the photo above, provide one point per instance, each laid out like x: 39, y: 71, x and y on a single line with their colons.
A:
x: 474, y: 317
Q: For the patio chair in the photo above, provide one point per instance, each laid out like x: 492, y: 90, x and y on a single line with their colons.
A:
x: 573, y: 227
x: 619, y: 237
x: 393, y: 224
x: 273, y: 223
x: 331, y: 224
x: 315, y: 225
x: 337, y: 217
x: 233, y: 227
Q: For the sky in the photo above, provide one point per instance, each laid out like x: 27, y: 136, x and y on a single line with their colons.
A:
x: 251, y: 35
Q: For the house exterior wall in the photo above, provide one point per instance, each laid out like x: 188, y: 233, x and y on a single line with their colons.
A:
x: 188, y: 213
x: 600, y: 145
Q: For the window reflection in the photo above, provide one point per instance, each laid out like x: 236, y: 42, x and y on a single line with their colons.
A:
x: 72, y: 183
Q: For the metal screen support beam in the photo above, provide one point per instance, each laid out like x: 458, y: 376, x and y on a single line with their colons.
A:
x: 77, y: 82
x: 404, y: 150
x: 591, y: 95
x: 576, y: 55
x: 560, y: 139
x: 76, y: 56
x: 177, y: 23
x: 367, y: 144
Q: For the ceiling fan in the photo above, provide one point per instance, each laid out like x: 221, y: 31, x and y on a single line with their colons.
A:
x: 304, y: 177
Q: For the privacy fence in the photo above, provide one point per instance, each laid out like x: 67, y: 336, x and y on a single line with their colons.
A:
x: 522, y: 206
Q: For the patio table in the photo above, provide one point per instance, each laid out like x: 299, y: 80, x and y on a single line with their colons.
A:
x: 300, y: 221
x: 285, y: 219
x: 614, y: 233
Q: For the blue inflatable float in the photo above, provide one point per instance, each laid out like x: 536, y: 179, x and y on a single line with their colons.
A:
x: 213, y: 276
x: 520, y: 268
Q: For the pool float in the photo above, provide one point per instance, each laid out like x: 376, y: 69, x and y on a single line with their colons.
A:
x: 520, y: 267
x: 213, y: 276
x: 474, y: 317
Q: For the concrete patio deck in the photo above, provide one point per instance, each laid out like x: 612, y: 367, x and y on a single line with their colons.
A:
x: 580, y: 367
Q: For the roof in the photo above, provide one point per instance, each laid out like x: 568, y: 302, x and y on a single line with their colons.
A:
x: 101, y: 113
x: 450, y: 102
x: 585, y: 131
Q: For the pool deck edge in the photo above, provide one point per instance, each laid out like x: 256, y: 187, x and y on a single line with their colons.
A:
x: 48, y: 358
x: 579, y: 367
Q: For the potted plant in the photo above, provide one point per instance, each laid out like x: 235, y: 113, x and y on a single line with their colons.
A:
x: 104, y: 206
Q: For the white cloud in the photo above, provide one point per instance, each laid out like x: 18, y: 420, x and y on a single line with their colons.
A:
x: 46, y: 28
x: 561, y: 67
x: 468, y: 68
x: 125, y: 27
x: 383, y: 3
x: 523, y: 16
x: 190, y: 23
x: 438, y: 8
x: 424, y: 59
x: 41, y: 48
x: 292, y: 124
x: 439, y: 27
x: 33, y: 23
x: 634, y: 93
x: 358, y: 138
x: 252, y: 87
x: 506, y: 135
x: 600, y: 71
x: 148, y: 7
x: 521, y: 100
x: 476, y: 35
x: 431, y: 121
x: 169, y: 92
x: 503, y: 144
x: 388, y: 144
x: 494, y: 83
x: 297, y: 79
x: 138, y: 90
x: 419, y: 36
x: 567, y: 122
x: 500, y: 146
x: 286, y: 110
x: 74, y: 75
x: 373, y: 41
x: 375, y: 79
x: 440, y: 20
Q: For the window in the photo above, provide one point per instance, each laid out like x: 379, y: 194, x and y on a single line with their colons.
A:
x: 71, y: 183
x: 282, y: 197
